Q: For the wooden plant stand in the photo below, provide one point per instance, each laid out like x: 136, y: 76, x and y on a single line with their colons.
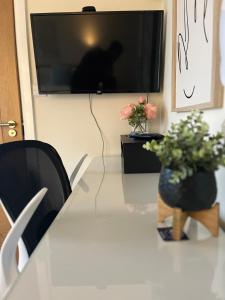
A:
x: 208, y: 217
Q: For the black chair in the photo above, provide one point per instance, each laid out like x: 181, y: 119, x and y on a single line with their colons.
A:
x: 26, y: 167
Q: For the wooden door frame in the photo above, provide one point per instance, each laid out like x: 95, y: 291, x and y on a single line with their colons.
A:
x: 21, y: 29
x: 20, y: 90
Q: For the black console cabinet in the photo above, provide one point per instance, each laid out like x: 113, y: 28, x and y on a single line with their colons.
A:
x: 135, y: 158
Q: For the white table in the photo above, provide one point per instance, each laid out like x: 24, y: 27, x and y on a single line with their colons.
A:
x: 104, y: 246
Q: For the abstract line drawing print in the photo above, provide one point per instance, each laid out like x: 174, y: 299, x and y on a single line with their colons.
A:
x: 196, y: 83
x: 183, y: 40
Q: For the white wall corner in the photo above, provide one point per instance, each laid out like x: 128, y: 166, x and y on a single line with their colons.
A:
x: 24, y: 69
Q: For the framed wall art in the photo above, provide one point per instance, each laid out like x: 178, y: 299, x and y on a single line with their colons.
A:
x: 196, y: 77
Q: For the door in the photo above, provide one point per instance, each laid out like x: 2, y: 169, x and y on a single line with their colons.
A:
x: 10, y: 108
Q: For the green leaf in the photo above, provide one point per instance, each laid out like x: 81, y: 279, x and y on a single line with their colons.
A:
x: 188, y: 147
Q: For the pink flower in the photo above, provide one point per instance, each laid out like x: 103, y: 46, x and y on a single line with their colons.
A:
x: 141, y: 100
x: 150, y: 111
x: 127, y: 112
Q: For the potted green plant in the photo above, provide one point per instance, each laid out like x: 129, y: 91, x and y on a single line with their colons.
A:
x: 189, y: 155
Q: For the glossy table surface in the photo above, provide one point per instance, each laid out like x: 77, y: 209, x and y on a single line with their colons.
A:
x: 104, y: 245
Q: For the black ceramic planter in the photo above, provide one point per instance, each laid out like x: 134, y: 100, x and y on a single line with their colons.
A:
x: 194, y: 193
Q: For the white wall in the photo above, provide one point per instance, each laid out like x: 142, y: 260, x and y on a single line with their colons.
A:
x: 214, y: 117
x: 65, y: 120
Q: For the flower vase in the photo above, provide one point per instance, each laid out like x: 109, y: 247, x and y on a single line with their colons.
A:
x: 140, y: 127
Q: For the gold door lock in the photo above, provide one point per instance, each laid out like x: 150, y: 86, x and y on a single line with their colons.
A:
x: 11, y: 124
x: 12, y: 132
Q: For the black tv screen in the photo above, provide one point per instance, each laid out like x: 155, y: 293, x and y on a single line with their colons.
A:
x: 98, y: 52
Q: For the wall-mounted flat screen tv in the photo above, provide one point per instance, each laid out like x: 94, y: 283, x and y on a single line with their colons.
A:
x: 98, y: 52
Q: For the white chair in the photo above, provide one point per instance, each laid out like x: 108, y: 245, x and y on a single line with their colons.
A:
x: 37, y: 157
x: 23, y: 255
x: 8, y: 264
x: 22, y: 250
x: 75, y: 173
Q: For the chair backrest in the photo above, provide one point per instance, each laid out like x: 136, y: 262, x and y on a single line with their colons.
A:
x: 8, y: 264
x: 25, y: 167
